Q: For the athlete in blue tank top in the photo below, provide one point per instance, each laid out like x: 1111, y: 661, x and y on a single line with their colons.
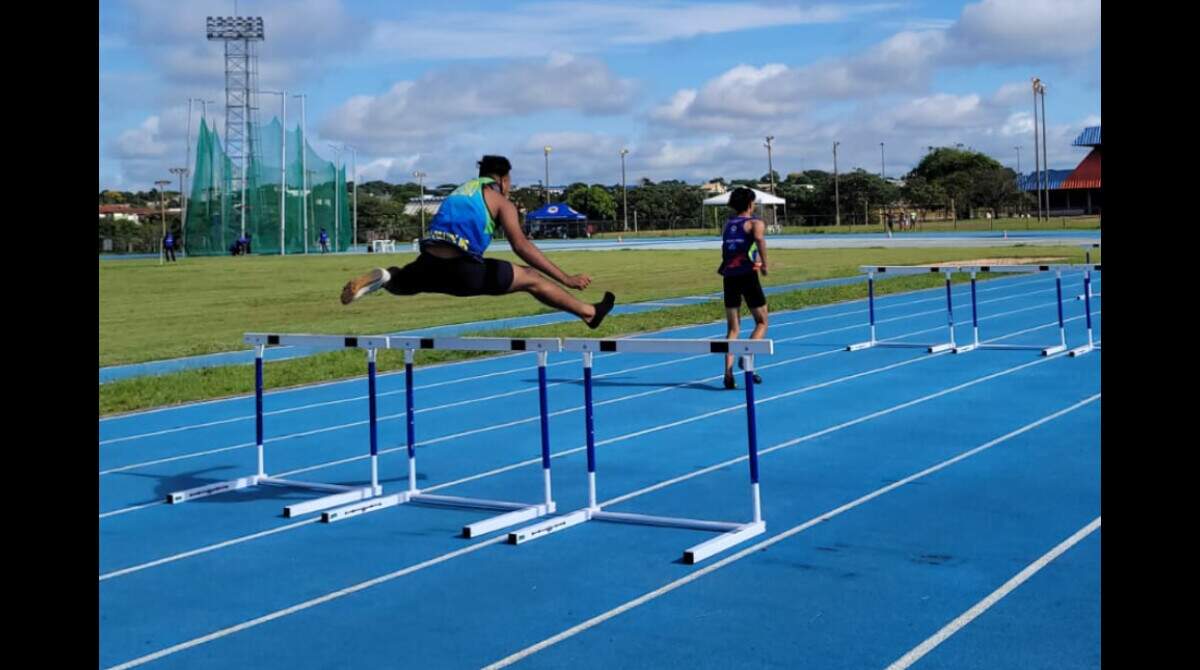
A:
x: 452, y: 262
x: 743, y: 256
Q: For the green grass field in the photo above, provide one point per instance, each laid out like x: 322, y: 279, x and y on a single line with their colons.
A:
x: 204, y: 305
x: 963, y: 225
x: 150, y: 312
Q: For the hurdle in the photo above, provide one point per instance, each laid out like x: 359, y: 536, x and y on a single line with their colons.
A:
x: 1087, y: 258
x: 515, y: 512
x: 932, y: 348
x: 339, y: 494
x: 1021, y: 269
x: 1087, y: 309
x: 732, y: 533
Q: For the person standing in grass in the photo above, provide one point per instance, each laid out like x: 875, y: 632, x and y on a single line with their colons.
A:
x: 451, y: 259
x: 169, y: 247
x: 743, y: 256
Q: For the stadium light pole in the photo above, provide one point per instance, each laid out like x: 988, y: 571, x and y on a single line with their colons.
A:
x: 837, y: 205
x: 337, y: 211
x: 421, y: 185
x: 162, y: 207
x: 304, y: 180
x: 1037, y: 157
x: 182, y: 172
x: 282, y: 164
x: 354, y: 192
x: 624, y: 191
x: 547, y: 190
x: 882, y: 163
x: 1045, y: 158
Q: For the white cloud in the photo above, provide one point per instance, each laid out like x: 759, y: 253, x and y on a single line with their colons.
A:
x: 942, y: 111
x: 452, y: 33
x: 141, y: 142
x: 1026, y: 31
x: 414, y: 110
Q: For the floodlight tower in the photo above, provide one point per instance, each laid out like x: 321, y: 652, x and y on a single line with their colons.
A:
x: 239, y: 33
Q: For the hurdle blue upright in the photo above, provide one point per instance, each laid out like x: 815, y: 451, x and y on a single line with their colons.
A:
x: 732, y: 533
x: 1087, y: 309
x: 932, y: 348
x: 339, y: 494
x: 1087, y: 258
x: 515, y: 512
x: 1047, y: 350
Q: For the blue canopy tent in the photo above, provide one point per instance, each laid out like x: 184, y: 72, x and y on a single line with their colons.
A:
x: 556, y: 219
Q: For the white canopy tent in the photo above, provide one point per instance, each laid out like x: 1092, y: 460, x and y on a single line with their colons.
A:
x: 761, y: 199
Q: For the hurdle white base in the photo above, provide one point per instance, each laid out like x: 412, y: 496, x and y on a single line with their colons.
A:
x: 722, y: 542
x: 212, y: 489
x: 1056, y: 349
x: 247, y: 482
x: 931, y: 348
x: 1079, y: 351
x: 1082, y: 296
x: 664, y: 521
x: 372, y: 505
x: 549, y: 526
x: 348, y: 496
x: 518, y: 511
x: 1010, y: 347
x: 731, y: 532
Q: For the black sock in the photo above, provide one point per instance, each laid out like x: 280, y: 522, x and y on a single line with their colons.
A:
x: 602, y: 309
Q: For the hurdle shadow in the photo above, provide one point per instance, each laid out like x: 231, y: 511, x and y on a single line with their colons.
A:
x: 168, y: 484
x: 709, y: 386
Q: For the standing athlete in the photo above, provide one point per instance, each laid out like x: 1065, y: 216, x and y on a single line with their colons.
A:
x: 451, y: 259
x: 743, y: 256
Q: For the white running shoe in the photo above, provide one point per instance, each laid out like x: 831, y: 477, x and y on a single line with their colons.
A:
x: 364, y: 284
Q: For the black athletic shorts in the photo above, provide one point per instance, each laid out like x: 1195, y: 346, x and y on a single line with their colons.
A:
x: 744, y: 285
x: 460, y: 276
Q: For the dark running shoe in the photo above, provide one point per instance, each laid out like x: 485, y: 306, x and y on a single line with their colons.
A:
x: 602, y: 309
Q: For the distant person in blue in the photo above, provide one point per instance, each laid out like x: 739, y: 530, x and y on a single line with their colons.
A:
x: 743, y: 256
x: 451, y: 259
x: 169, y: 246
x: 243, y: 245
x: 246, y: 248
x: 324, y: 240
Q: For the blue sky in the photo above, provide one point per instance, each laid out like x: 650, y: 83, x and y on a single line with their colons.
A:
x: 691, y: 88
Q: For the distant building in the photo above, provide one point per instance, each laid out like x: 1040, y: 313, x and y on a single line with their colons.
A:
x: 1075, y: 191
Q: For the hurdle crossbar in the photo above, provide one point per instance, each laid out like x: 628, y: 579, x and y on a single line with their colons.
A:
x: 731, y: 533
x: 515, y: 512
x: 1047, y: 350
x: 873, y: 342
x: 339, y: 494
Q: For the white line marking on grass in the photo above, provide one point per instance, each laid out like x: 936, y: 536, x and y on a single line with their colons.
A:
x: 671, y: 586
x: 994, y: 597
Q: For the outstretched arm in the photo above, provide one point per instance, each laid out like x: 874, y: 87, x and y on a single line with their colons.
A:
x: 506, y: 214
